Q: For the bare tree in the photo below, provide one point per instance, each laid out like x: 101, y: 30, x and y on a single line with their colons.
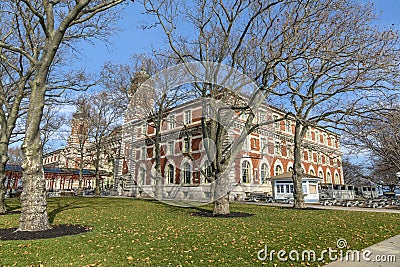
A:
x: 339, y: 62
x: 52, y: 122
x: 15, y: 72
x: 384, y: 175
x: 354, y: 173
x: 314, y: 56
x: 102, y: 113
x: 78, y: 142
x: 228, y: 32
x: 46, y: 25
x: 377, y: 135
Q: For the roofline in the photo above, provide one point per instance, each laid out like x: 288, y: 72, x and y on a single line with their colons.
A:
x: 266, y: 105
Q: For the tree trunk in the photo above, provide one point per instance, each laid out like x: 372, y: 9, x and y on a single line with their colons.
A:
x: 97, y: 190
x: 297, y: 170
x: 33, y: 198
x: 80, y: 183
x: 221, y: 206
x: 158, y: 183
x: 2, y: 186
x: 97, y: 171
x: 80, y: 174
x: 221, y: 198
x: 3, y: 162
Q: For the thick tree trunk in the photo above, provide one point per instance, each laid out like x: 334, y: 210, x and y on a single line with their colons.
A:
x: 297, y: 170
x: 221, y: 198
x: 221, y: 206
x: 33, y: 198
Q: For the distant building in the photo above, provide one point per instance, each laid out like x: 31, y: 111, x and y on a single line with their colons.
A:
x: 70, y: 157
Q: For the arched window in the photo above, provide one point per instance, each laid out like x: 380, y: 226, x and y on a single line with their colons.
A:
x: 278, y: 170
x: 312, y: 172
x: 290, y: 169
x: 142, y: 176
x: 320, y: 174
x: 337, y: 180
x: 245, y: 172
x: 328, y: 177
x: 264, y: 172
x: 170, y: 174
x: 186, y: 173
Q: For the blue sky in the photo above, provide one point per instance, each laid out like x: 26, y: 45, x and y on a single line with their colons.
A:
x: 132, y: 39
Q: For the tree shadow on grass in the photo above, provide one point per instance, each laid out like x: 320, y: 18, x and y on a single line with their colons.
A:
x: 12, y: 209
x: 306, y: 208
x: 60, y: 208
x: 199, y: 211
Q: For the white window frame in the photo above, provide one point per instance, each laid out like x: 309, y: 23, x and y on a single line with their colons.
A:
x: 143, y: 152
x: 319, y: 158
x: 264, y: 172
x: 171, y: 122
x: 317, y: 138
x: 171, y: 147
x: 337, y: 178
x: 308, y: 133
x: 276, y: 124
x: 246, y: 172
x: 329, y: 177
x: 288, y: 126
x: 188, y: 117
x: 186, y: 145
x: 263, y: 144
x: 169, y: 174
x: 277, y: 148
x: 185, y: 173
x: 144, y: 129
x: 276, y: 172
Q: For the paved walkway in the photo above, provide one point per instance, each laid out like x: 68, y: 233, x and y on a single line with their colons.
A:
x: 383, y: 254
x: 319, y: 206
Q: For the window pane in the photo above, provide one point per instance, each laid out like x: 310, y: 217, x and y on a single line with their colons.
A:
x: 246, y: 172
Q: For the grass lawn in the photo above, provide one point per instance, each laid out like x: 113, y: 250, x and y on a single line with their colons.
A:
x: 146, y: 233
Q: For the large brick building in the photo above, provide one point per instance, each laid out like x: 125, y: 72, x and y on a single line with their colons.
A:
x: 266, y: 152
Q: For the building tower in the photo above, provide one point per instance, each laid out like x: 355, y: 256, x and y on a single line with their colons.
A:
x: 79, y: 129
x: 141, y: 96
